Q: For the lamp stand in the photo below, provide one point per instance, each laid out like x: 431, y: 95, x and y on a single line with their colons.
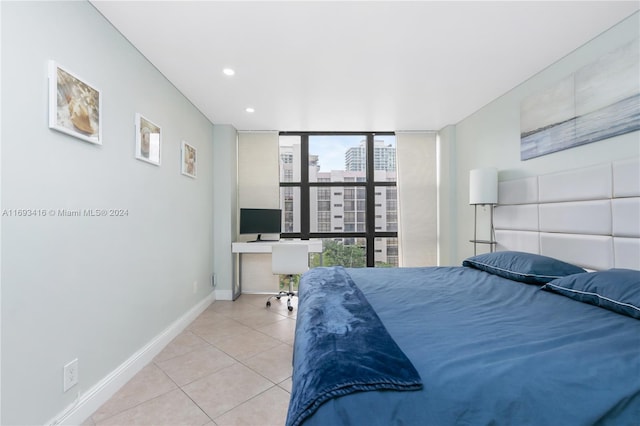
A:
x: 492, y: 237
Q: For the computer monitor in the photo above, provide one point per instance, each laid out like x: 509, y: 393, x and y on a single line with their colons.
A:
x: 260, y: 221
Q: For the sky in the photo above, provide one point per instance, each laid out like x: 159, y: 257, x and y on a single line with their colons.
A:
x: 331, y: 148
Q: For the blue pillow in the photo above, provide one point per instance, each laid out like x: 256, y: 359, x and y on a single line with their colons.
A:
x: 615, y: 289
x: 523, y: 267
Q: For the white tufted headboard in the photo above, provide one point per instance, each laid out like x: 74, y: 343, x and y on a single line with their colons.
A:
x: 589, y: 217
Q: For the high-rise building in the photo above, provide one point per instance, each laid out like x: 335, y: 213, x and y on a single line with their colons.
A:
x: 384, y: 157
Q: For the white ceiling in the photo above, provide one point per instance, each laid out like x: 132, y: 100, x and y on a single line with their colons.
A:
x: 354, y: 66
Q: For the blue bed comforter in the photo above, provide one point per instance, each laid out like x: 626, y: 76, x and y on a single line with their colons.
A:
x: 490, y: 351
x: 343, y: 345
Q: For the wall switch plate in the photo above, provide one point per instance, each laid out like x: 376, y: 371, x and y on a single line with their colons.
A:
x: 70, y: 375
x: 195, y: 287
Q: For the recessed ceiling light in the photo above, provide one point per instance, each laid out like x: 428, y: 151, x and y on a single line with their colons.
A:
x: 250, y: 109
x: 228, y: 71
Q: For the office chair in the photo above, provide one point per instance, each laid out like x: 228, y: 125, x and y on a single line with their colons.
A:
x: 288, y: 259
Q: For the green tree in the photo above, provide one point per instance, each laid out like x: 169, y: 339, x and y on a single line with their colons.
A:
x: 336, y: 253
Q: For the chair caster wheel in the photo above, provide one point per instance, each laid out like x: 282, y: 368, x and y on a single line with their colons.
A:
x: 278, y: 297
x: 290, y: 308
x: 268, y: 303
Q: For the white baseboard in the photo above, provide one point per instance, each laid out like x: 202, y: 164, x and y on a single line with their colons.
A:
x: 88, y: 402
x: 224, y: 294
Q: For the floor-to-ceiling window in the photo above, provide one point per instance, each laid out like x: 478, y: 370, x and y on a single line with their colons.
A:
x: 341, y: 187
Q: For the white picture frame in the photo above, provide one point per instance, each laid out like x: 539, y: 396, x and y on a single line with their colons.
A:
x: 75, y: 106
x: 189, y: 160
x: 148, y: 140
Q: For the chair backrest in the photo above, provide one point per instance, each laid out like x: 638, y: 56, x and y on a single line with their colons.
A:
x: 289, y: 258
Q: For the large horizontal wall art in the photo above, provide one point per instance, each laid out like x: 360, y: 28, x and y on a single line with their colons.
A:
x: 74, y: 105
x: 599, y: 101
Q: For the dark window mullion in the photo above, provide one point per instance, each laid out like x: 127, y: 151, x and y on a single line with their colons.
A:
x: 337, y: 235
x: 305, y: 198
x: 370, y: 204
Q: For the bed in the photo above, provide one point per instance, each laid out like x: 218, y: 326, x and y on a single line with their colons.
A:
x: 542, y: 332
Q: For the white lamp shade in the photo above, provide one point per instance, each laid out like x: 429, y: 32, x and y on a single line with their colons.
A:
x: 483, y: 186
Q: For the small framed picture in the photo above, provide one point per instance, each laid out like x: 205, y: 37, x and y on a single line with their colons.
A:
x: 75, y: 106
x: 188, y: 160
x: 148, y: 140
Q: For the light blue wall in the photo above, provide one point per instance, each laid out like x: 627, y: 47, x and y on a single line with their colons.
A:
x: 225, y: 154
x: 447, y: 195
x: 491, y: 138
x: 95, y: 288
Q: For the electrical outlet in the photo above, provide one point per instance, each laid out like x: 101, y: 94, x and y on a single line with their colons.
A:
x: 195, y: 287
x: 214, y: 280
x: 70, y: 375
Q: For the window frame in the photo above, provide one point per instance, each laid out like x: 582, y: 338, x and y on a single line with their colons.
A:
x: 370, y: 185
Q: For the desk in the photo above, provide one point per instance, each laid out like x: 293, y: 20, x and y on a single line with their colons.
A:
x: 243, y: 247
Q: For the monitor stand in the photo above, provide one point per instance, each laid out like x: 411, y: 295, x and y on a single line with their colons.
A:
x: 259, y: 240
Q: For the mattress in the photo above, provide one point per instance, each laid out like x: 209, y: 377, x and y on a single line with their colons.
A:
x: 489, y: 350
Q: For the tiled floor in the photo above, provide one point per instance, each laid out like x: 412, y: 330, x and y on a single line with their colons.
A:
x: 231, y: 366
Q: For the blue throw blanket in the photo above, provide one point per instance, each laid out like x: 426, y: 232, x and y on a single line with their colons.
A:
x: 343, y: 346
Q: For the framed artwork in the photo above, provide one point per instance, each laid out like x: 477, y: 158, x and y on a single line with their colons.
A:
x: 75, y: 106
x: 148, y: 140
x: 188, y: 160
x: 598, y: 101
